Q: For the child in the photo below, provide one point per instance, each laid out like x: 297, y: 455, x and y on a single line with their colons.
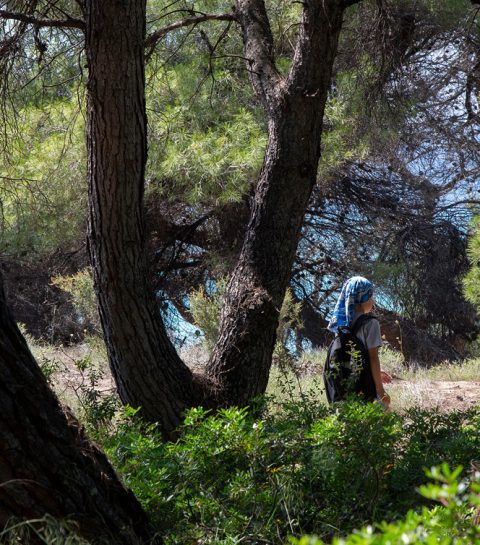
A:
x: 356, y: 298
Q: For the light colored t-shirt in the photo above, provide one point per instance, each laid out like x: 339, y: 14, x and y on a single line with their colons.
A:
x: 369, y: 333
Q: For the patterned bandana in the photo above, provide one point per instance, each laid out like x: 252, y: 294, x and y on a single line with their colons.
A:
x: 355, y: 290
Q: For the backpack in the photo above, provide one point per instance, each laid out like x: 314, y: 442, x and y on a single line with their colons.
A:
x: 347, y: 368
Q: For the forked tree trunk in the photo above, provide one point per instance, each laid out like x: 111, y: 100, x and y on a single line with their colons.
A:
x: 241, y: 361
x: 47, y: 465
x: 147, y: 370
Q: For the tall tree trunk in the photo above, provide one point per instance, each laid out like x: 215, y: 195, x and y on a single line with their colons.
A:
x: 47, y: 465
x: 241, y: 360
x: 145, y: 365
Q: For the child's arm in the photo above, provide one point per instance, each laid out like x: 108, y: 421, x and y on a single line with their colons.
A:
x: 377, y: 377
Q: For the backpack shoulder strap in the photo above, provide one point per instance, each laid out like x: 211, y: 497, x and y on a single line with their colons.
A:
x: 363, y: 319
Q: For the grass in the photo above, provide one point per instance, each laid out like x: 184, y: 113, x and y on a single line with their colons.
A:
x: 46, y: 530
x: 468, y: 370
x: 415, y: 387
x: 392, y: 362
x: 78, y: 372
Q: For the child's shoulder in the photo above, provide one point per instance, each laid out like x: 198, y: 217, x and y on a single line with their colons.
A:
x: 372, y: 322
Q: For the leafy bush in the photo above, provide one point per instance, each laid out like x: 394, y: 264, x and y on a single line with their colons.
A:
x: 455, y: 522
x: 96, y: 406
x: 80, y: 288
x: 307, y: 469
x: 429, y: 437
x: 206, y: 307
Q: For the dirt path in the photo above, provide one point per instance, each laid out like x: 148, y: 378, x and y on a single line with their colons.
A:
x: 428, y: 394
x: 442, y: 395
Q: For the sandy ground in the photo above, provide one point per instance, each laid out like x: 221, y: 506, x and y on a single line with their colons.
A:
x: 442, y: 395
x: 74, y: 370
x: 69, y: 380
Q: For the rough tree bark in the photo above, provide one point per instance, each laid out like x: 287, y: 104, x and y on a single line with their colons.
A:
x: 147, y: 370
x: 294, y: 106
x: 47, y: 465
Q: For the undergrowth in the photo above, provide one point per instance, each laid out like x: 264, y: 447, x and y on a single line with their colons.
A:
x: 300, y: 468
x: 304, y: 469
x: 45, y: 530
x: 454, y: 522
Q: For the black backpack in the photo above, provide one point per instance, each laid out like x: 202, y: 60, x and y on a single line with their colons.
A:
x: 347, y: 368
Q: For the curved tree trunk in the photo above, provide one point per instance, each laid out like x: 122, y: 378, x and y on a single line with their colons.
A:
x: 241, y: 360
x: 146, y: 367
x: 47, y: 465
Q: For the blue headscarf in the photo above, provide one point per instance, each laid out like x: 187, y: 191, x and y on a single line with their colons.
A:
x: 356, y: 290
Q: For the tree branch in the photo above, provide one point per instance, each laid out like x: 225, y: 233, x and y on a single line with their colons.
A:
x: 314, y: 50
x: 259, y: 51
x: 156, y: 36
x: 65, y: 23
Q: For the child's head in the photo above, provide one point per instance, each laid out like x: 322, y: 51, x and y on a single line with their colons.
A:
x: 356, y: 297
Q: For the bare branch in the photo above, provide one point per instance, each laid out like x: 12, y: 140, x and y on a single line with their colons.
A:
x: 156, y: 36
x: 65, y: 23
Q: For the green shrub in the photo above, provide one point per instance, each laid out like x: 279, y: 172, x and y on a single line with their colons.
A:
x: 454, y: 522
x: 80, y: 288
x: 96, y: 405
x: 428, y: 438
x: 353, y: 451
x: 304, y: 469
x: 206, y: 307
